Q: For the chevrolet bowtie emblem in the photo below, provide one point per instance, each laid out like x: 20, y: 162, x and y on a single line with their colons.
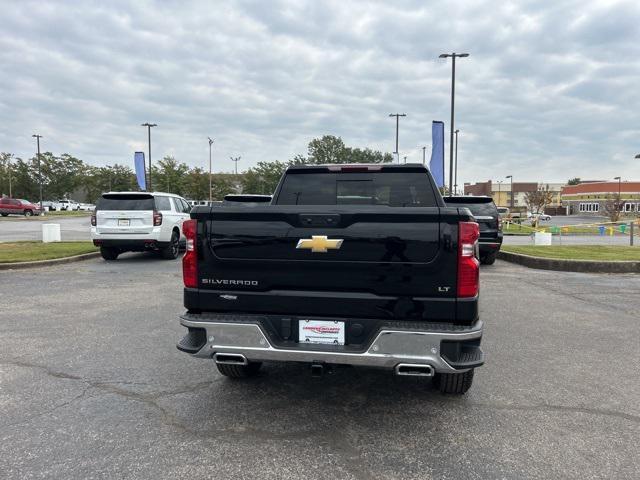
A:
x: 319, y: 244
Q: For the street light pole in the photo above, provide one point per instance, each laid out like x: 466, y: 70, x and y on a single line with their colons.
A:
x: 149, y: 125
x: 455, y: 180
x: 397, y: 115
x: 210, y: 144
x: 424, y: 155
x: 453, y: 95
x: 38, y: 137
x: 9, y: 171
x: 235, y: 160
x: 499, y: 182
x: 618, y: 202
x: 405, y: 159
x: 511, y: 177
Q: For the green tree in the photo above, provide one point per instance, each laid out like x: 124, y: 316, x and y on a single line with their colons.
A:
x: 330, y: 149
x: 169, y: 175
x: 263, y: 178
x: 222, y: 185
x: 6, y: 174
x: 25, y: 180
x: 574, y: 181
x: 116, y: 178
x: 196, y: 184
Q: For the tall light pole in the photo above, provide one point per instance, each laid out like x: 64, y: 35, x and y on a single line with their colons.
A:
x: 618, y: 202
x: 397, y: 115
x: 9, y: 172
x: 149, y: 126
x: 511, y: 177
x: 210, y: 144
x: 453, y: 95
x: 499, y: 182
x: 638, y: 156
x: 38, y: 137
x: 405, y: 159
x: 235, y: 160
x: 424, y: 155
x: 455, y: 178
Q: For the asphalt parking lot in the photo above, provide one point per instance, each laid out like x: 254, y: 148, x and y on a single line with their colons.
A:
x: 92, y: 386
x: 15, y: 228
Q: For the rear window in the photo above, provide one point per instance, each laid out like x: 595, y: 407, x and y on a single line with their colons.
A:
x: 125, y: 202
x: 393, y: 189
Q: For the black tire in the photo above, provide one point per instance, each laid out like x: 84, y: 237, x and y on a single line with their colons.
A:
x: 454, y: 383
x: 28, y: 213
x: 109, y: 253
x: 239, y: 371
x: 170, y: 252
x: 4, y: 214
x: 488, y: 259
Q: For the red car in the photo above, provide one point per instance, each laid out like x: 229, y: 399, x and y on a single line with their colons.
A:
x: 18, y: 207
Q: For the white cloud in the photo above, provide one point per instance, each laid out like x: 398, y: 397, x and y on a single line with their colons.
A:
x: 549, y: 92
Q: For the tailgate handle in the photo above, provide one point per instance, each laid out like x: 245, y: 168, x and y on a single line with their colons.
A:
x: 319, y: 220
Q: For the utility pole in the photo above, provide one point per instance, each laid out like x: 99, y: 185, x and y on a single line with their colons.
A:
x: 38, y: 137
x: 511, y: 177
x: 9, y: 170
x: 618, y: 201
x: 235, y: 160
x: 453, y: 95
x: 149, y: 126
x: 424, y: 155
x: 499, y: 182
x: 455, y: 178
x: 397, y: 115
x: 210, y: 186
x: 405, y: 159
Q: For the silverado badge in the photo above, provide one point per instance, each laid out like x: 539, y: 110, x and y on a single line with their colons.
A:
x: 319, y: 244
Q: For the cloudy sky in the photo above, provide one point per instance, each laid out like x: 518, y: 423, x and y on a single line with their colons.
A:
x: 549, y: 92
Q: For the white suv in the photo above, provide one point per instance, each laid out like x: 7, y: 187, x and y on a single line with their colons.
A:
x: 139, y: 221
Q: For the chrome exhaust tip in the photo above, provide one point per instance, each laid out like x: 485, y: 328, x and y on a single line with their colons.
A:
x: 415, y: 370
x: 230, y: 359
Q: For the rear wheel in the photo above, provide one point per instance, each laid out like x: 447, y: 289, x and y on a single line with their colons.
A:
x: 170, y: 252
x: 109, y: 253
x: 239, y: 371
x: 488, y: 259
x: 28, y: 213
x: 454, y: 383
x: 4, y: 214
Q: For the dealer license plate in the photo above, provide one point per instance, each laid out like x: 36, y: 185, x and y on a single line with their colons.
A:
x: 321, y: 331
x: 124, y: 222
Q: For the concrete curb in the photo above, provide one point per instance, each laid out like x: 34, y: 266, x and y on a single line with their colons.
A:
x: 48, y: 263
x: 584, y: 266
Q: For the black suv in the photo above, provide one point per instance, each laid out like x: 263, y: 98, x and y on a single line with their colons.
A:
x: 486, y: 214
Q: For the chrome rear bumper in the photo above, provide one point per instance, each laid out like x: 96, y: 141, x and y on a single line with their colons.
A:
x: 390, y: 347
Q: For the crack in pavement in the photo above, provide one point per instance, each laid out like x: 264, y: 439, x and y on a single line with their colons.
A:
x: 333, y: 438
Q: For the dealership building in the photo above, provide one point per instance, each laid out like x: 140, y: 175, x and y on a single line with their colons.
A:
x: 591, y: 197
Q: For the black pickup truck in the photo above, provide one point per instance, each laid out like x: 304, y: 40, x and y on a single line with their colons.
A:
x: 348, y: 264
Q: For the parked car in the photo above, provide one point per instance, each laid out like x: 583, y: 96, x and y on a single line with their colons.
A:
x: 539, y: 216
x: 486, y: 214
x: 318, y: 276
x: 87, y: 207
x: 139, y: 221
x: 68, y: 205
x: 49, y: 206
x: 503, y: 212
x: 17, y: 206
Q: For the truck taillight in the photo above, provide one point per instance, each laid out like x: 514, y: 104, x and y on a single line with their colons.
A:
x: 190, y: 259
x: 468, y: 265
x: 157, y: 219
x: 93, y: 220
